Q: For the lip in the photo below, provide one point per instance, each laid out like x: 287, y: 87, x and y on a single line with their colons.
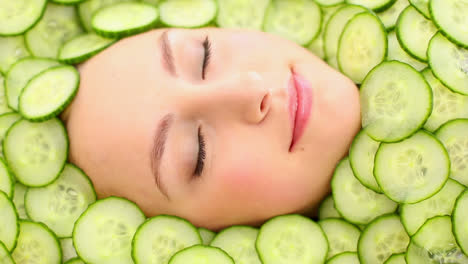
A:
x: 300, y: 102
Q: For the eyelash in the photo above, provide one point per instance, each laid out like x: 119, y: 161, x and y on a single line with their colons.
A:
x: 207, y: 56
x: 201, y: 154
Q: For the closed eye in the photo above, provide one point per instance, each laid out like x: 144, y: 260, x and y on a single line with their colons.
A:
x: 207, y: 55
x: 201, y: 154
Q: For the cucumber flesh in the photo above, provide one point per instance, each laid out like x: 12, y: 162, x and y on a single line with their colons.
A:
x: 5, y: 257
x: 396, y: 259
x: 6, y: 121
x: 341, y: 235
x: 239, y: 243
x: 248, y: 14
x: 18, y: 200
x: 345, y: 258
x: 450, y: 17
x: 187, y: 13
x: 68, y: 250
x: 3, y: 102
x: 422, y: 6
x: 206, y: 235
x: 88, y: 8
x: 201, y: 254
x: 9, y: 219
x: 12, y: 49
x: 395, y: 52
x: 376, y: 5
x: 83, y: 47
x: 389, y: 17
x: 460, y: 224
x: 18, y: 16
x: 327, y: 209
x: 6, y: 180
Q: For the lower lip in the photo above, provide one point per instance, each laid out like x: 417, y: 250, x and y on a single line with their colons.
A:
x: 300, y: 102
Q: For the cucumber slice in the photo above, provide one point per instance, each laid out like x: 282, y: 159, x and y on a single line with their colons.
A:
x: 414, y: 32
x: 20, y: 74
x: 453, y: 135
x: 75, y: 261
x: 345, y: 258
x: 317, y: 45
x: 413, y: 216
x: 59, y: 204
x: 327, y: 3
x: 5, y: 257
x: 361, y: 158
x: 389, y: 17
x: 396, y: 259
x: 3, y: 102
x: 83, y: 47
x: 376, y: 5
x: 239, y: 243
x: 36, y: 152
x: 151, y: 2
x: 422, y: 6
x: 449, y: 63
x: 389, y: 110
x: 49, y: 93
x: 104, y: 232
x: 9, y: 219
x: 12, y: 49
x: 36, y: 242
x: 296, y: 20
x: 68, y: 250
x: 124, y: 19
x: 6, y: 180
x: 160, y: 237
x: 6, y: 121
x: 201, y: 254
x: 341, y: 235
x: 17, y: 16
x: 356, y: 203
x: 334, y: 28
x: 291, y: 239
x: 447, y: 104
x: 18, y: 200
x: 187, y: 13
x: 459, y: 220
x: 382, y: 238
x: 88, y: 8
x: 248, y: 14
x: 450, y: 17
x: 67, y: 2
x: 327, y: 209
x: 59, y: 24
x: 395, y: 52
x: 412, y: 170
x: 362, y: 46
x: 206, y: 235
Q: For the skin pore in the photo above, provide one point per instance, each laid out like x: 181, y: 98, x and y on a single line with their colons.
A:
x: 224, y: 119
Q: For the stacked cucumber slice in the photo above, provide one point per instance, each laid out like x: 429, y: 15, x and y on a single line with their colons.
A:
x: 410, y: 58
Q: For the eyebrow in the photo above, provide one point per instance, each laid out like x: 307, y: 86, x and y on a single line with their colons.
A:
x: 157, y: 151
x: 167, y: 55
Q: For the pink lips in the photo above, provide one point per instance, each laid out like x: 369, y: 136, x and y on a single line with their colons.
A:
x: 300, y: 102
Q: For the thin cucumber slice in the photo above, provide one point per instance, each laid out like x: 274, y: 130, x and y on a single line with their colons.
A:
x: 390, y: 16
x: 18, y: 200
x: 291, y: 239
x: 104, y: 232
x: 68, y: 250
x: 59, y: 24
x: 59, y: 204
x: 317, y: 45
x: 447, y: 104
x: 36, y: 152
x: 151, y: 2
x: 450, y: 17
x: 382, y: 238
x: 6, y: 180
x: 361, y: 158
x: 17, y: 16
x: 83, y: 47
x: 20, y: 74
x: 5, y: 257
x: 414, y: 32
x: 187, y: 13
x: 201, y: 254
x: 124, y: 19
x: 376, y: 5
x: 455, y: 139
x: 449, y: 63
x: 413, y: 216
x: 206, y: 235
x: 341, y: 235
x: 167, y: 235
x: 248, y: 14
x: 327, y: 209
x: 239, y: 243
x: 6, y: 121
x: 334, y: 28
x: 296, y: 20
x: 422, y: 6
x: 75, y: 261
x: 9, y: 219
x: 389, y: 110
x: 345, y: 258
x: 12, y: 49
x: 49, y: 93
x: 67, y: 2
x: 88, y: 8
x: 395, y: 52
x: 362, y: 46
x: 327, y: 3
x: 36, y: 242
x: 460, y: 223
x: 412, y: 170
x: 396, y: 259
x: 3, y: 102
x: 356, y: 203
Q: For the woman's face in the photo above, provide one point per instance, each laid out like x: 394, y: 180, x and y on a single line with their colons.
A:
x: 256, y: 133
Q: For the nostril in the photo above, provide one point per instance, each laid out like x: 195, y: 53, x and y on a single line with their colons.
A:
x: 265, y: 103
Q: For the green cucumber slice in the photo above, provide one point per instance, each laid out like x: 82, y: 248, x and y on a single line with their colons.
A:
x: 450, y: 17
x: 449, y: 63
x: 68, y: 250
x: 6, y: 121
x: 389, y: 110
x: 75, y: 261
x: 5, y: 257
x: 382, y: 238
x: 124, y: 19
x: 396, y: 259
x: 3, y: 102
x: 17, y: 16
x: 296, y: 20
x: 187, y: 13
x: 152, y: 2
x: 390, y: 16
x: 422, y: 6
x: 36, y: 152
x: 239, y: 243
x: 83, y: 47
x: 248, y: 14
x: 459, y: 220
x: 376, y: 5
x: 18, y: 200
x: 201, y: 254
x: 291, y: 239
x: 88, y: 8
x: 104, y: 232
x: 12, y: 49
x: 341, y: 235
x: 327, y: 3
x: 6, y: 180
x: 345, y: 258
x: 395, y: 52
x: 206, y: 235
x: 49, y: 93
x: 9, y: 219
x: 327, y: 209
x: 67, y: 2
x: 160, y: 237
x: 412, y: 170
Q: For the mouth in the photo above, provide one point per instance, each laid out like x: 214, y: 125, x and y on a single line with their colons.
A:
x: 300, y: 102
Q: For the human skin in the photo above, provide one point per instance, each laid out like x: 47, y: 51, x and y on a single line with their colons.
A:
x: 241, y: 108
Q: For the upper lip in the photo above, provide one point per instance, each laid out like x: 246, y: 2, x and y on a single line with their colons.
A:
x: 293, y: 105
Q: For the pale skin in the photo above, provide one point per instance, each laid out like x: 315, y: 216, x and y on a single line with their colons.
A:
x: 240, y: 106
